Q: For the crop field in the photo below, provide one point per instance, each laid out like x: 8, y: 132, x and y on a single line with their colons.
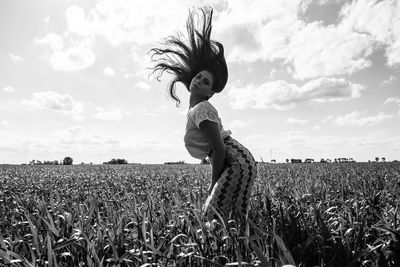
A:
x: 151, y: 215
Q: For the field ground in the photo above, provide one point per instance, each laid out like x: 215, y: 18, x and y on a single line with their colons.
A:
x: 150, y: 215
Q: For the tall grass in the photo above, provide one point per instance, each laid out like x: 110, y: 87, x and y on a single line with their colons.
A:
x: 141, y: 215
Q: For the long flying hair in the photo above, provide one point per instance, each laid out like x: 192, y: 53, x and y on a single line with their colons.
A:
x: 185, y: 59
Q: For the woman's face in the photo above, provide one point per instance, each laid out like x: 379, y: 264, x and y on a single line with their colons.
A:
x: 202, y: 84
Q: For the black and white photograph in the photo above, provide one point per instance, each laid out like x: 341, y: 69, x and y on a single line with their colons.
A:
x: 200, y: 133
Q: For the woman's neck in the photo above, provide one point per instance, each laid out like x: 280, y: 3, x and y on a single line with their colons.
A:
x: 193, y: 101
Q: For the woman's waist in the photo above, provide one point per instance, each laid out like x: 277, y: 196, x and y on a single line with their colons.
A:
x: 235, y: 152
x: 225, y: 139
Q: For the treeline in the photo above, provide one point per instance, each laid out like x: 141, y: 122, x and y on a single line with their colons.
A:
x: 175, y: 162
x: 65, y: 161
x: 116, y: 161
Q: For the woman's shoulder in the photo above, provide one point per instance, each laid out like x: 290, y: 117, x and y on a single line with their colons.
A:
x: 205, y: 105
x: 203, y: 111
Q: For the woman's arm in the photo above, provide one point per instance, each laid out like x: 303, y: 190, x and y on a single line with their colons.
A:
x: 211, y: 130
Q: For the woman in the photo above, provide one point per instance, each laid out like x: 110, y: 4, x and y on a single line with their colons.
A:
x: 199, y: 64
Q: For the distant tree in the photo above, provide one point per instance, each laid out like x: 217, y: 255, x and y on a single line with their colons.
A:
x: 377, y: 159
x: 287, y: 160
x: 67, y: 161
x: 116, y: 161
x: 122, y: 161
x: 384, y: 159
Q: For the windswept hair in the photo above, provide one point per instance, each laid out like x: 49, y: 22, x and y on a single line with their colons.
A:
x: 185, y: 59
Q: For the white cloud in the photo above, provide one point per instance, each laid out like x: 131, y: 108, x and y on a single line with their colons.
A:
x: 68, y: 54
x: 355, y: 119
x: 296, y: 121
x: 79, y: 143
x: 365, y: 27
x: 389, y: 80
x: 361, y: 147
x: 395, y: 100
x: 109, y: 71
x: 260, y: 35
x: 283, y: 95
x: 328, y: 118
x: 316, y: 127
x: 142, y: 85
x: 57, y: 102
x: 4, y: 123
x: 111, y: 115
x: 313, y: 50
x: 293, y: 138
x: 16, y: 58
x: 319, y: 51
x: 121, y: 21
x: 380, y: 20
x: 237, y: 124
x: 9, y: 89
x: 77, y: 135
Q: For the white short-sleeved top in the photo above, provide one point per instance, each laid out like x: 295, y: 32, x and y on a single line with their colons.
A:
x: 195, y: 142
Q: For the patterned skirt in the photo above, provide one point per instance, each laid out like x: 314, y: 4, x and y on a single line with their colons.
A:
x: 232, y: 191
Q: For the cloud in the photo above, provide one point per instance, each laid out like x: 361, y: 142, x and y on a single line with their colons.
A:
x: 142, y: 85
x: 237, y: 124
x: 282, y: 95
x: 109, y: 71
x: 111, y: 115
x: 293, y: 139
x: 121, y: 22
x: 4, y: 123
x: 64, y: 104
x: 77, y: 135
x: 263, y: 28
x: 312, y: 49
x: 296, y: 121
x: 380, y: 20
x: 355, y: 119
x: 395, y: 100
x: 326, y: 146
x: 68, y: 54
x: 16, y: 58
x: 328, y: 118
x: 343, y: 49
x: 389, y: 80
x: 9, y: 89
x: 319, y: 51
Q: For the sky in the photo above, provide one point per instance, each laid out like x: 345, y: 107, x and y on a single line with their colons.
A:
x: 307, y: 79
